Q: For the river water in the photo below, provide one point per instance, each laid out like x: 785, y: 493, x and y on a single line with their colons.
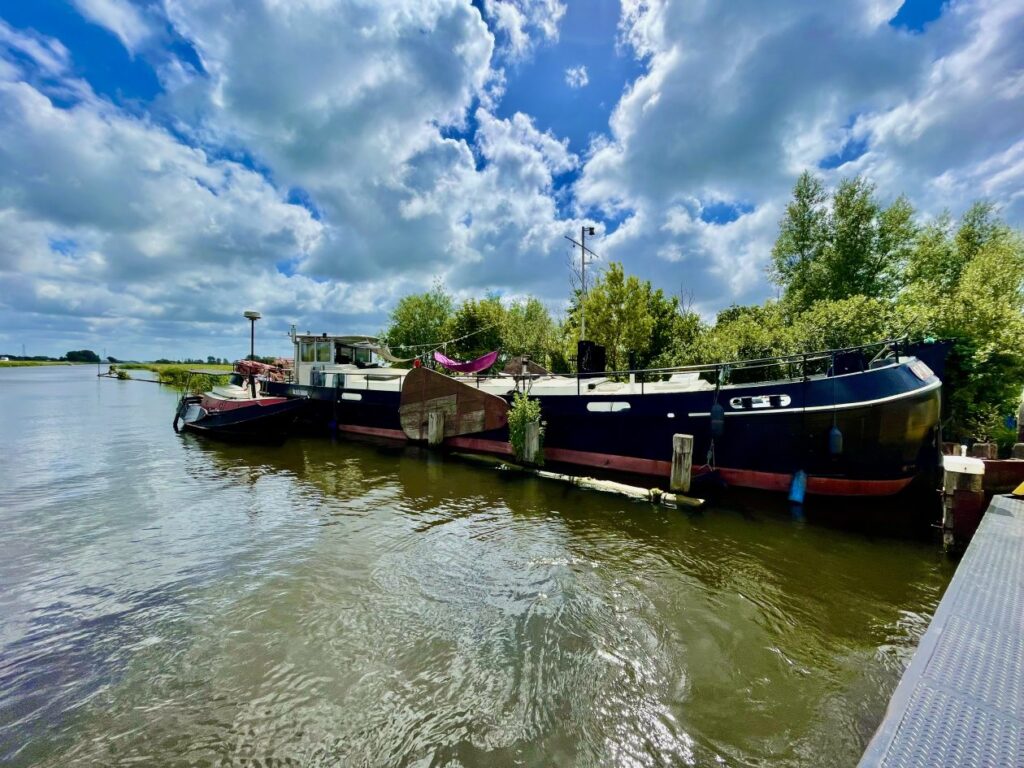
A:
x: 167, y: 601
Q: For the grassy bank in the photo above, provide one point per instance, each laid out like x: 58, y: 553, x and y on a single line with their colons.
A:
x: 176, y: 374
x: 32, y: 363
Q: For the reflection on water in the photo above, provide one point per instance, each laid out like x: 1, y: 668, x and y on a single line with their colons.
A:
x: 170, y: 601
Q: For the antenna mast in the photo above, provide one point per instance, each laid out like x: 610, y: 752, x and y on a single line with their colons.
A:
x: 584, y: 231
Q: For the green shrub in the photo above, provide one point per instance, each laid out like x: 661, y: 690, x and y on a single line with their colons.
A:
x: 523, y: 411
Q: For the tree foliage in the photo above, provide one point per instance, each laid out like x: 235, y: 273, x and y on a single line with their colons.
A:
x: 852, y: 270
x: 629, y: 317
x: 859, y: 271
x: 419, y: 319
x: 529, y: 330
x: 477, y: 326
x: 831, y: 248
x: 82, y: 356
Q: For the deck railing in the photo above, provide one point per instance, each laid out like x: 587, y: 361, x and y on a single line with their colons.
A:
x: 800, y: 366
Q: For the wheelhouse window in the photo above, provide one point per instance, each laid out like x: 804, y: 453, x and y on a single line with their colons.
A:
x: 344, y: 354
x: 307, y: 352
x: 323, y: 352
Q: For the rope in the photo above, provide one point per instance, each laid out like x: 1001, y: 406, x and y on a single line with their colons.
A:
x: 439, y: 344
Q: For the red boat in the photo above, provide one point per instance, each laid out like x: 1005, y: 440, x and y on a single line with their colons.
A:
x: 239, y: 410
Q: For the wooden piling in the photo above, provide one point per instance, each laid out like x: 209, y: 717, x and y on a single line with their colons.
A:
x: 963, y: 498
x: 682, y: 463
x: 435, y: 427
x: 985, y: 450
x: 531, y: 447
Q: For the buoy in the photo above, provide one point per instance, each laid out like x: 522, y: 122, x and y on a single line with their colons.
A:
x: 835, y: 441
x: 798, y: 487
x: 717, y: 420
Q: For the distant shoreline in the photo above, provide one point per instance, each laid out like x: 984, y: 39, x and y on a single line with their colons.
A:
x: 30, y: 363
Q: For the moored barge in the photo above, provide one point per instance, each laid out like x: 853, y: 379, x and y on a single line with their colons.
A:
x: 858, y: 422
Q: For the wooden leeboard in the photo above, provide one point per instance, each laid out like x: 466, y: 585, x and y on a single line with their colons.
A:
x: 466, y: 409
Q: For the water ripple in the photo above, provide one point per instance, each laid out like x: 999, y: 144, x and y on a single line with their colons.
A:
x: 169, y: 601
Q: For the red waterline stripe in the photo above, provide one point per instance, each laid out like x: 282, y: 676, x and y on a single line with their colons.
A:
x: 216, y: 405
x: 392, y: 434
x: 484, y: 446
x: 748, y: 478
x: 769, y: 481
x: 609, y: 461
x: 824, y: 486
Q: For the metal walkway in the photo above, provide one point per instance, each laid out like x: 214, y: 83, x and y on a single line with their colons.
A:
x: 961, y: 700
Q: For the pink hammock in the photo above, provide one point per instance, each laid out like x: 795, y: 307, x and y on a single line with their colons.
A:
x: 473, y: 366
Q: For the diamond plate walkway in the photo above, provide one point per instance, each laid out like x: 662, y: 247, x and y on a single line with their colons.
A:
x: 961, y: 700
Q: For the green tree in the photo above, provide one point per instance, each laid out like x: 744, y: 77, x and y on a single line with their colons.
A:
x: 977, y: 300
x: 618, y: 315
x: 529, y: 330
x: 744, y: 333
x: 82, y: 356
x: 854, y: 247
x: 419, y: 319
x: 849, y: 322
x: 477, y: 325
x: 798, y: 255
x: 629, y: 317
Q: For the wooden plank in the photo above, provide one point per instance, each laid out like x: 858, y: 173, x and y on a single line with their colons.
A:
x: 467, y: 410
x: 682, y: 463
x: 435, y: 426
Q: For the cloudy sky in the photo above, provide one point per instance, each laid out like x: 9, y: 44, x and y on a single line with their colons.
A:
x: 167, y: 164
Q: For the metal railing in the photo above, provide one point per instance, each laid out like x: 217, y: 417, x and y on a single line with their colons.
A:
x: 799, y: 366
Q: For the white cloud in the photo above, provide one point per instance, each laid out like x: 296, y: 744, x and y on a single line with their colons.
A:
x: 737, y: 100
x: 348, y: 104
x: 107, y: 218
x: 398, y: 198
x: 386, y: 119
x: 122, y: 18
x: 48, y: 55
x: 961, y: 121
x: 576, y: 77
x: 521, y: 22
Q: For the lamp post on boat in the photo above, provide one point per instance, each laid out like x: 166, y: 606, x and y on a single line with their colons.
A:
x: 252, y: 317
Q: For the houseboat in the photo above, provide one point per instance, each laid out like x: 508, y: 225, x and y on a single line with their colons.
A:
x: 856, y: 422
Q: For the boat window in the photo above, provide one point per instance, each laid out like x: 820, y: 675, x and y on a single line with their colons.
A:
x: 919, y: 369
x: 608, y: 407
x: 760, y: 401
x: 363, y: 355
x: 323, y: 352
x: 307, y: 352
x: 351, y: 396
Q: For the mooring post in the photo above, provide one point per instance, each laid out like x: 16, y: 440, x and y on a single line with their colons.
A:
x: 985, y: 451
x: 682, y: 463
x: 531, y: 442
x: 435, y: 427
x: 963, y: 498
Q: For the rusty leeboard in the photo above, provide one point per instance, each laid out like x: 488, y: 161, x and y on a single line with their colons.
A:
x: 961, y: 701
x: 466, y: 409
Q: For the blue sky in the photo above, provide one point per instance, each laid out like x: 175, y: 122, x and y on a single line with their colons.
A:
x: 165, y: 164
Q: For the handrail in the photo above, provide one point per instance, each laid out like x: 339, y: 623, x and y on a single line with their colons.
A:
x: 741, y: 365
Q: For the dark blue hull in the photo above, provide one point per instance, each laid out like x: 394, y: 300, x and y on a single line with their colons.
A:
x: 253, y: 423
x: 888, y: 418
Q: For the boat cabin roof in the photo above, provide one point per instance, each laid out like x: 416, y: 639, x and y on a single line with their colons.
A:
x: 351, y: 341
